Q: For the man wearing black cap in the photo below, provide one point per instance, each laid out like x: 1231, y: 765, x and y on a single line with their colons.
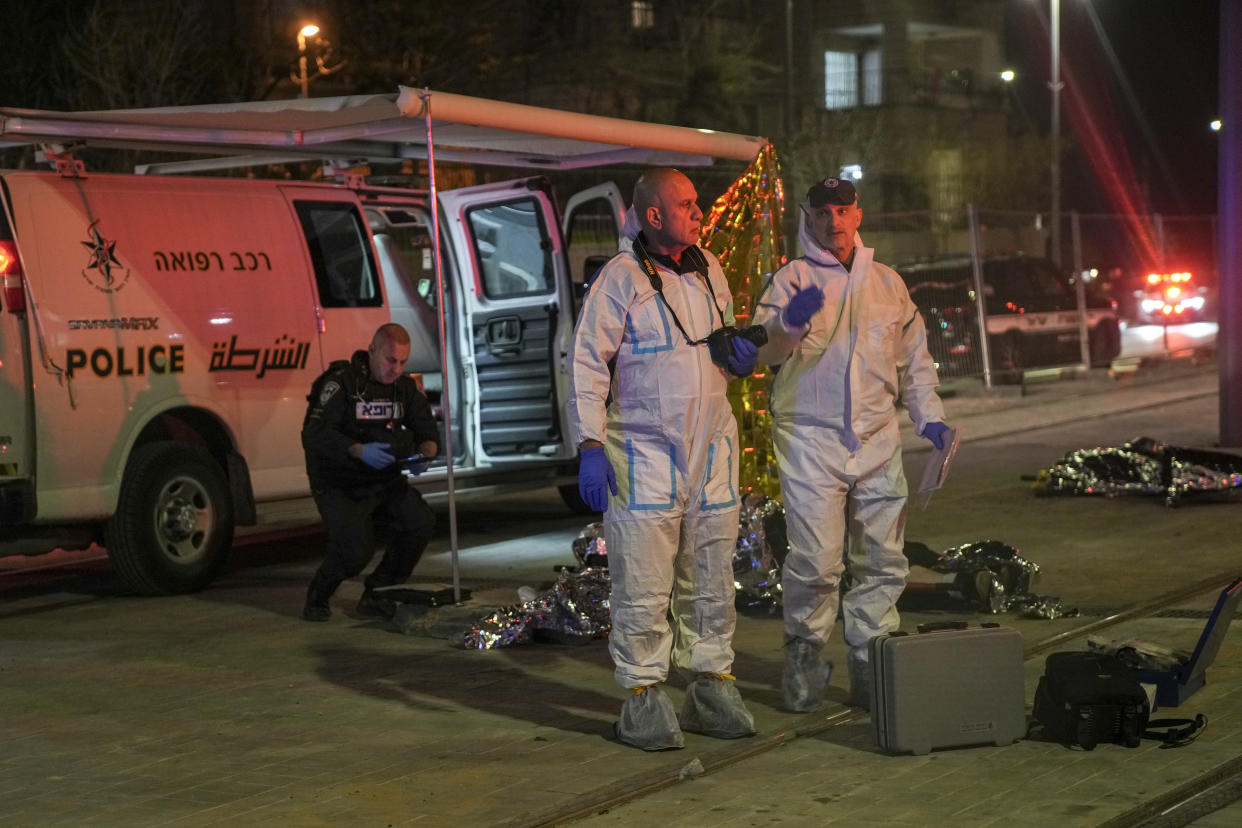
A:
x: 849, y: 343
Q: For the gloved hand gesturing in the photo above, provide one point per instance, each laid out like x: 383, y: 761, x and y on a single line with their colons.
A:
x: 745, y: 355
x: 596, y: 478
x: 936, y: 433
x: 803, y: 305
x: 376, y: 455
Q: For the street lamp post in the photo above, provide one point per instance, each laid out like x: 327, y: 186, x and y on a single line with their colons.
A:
x: 309, y: 30
x: 1055, y: 86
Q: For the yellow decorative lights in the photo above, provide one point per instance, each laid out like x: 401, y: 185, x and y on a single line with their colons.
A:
x: 743, y: 229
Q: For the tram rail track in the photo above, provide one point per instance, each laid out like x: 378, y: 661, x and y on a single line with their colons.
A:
x: 1225, y: 778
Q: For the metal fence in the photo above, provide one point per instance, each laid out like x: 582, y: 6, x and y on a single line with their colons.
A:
x: 995, y: 303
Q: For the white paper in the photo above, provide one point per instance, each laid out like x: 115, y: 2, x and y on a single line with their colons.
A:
x: 937, y: 468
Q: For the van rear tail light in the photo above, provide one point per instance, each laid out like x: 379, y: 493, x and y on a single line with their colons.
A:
x: 11, y: 278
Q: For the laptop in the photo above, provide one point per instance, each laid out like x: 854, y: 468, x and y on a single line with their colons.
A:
x: 1175, y: 685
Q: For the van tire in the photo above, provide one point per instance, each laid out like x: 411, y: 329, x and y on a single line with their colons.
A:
x: 173, y: 525
x: 1007, y: 358
x: 1104, y: 343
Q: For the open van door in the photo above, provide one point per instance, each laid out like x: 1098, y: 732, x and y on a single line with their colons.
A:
x: 592, y: 230
x: 516, y: 298
x: 401, y: 230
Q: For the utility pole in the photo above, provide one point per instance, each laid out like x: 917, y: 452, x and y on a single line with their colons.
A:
x: 1054, y: 30
x: 1229, y: 244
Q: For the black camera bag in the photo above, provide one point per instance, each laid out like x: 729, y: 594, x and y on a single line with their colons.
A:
x: 1085, y: 698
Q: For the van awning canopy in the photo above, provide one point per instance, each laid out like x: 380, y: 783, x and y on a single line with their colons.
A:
x: 377, y: 129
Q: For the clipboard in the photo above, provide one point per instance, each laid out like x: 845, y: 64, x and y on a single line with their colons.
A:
x: 937, y: 468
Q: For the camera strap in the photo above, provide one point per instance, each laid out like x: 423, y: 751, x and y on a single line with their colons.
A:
x: 699, y: 262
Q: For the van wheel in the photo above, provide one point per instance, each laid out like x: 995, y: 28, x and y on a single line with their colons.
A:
x: 1104, y: 343
x: 173, y: 525
x: 1007, y: 358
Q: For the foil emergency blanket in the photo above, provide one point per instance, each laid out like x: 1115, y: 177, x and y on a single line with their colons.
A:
x: 575, y: 608
x: 760, y: 551
x: 573, y: 611
x: 1142, y: 466
x: 990, y: 575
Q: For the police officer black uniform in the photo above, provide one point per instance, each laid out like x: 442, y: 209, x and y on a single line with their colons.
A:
x: 365, y: 419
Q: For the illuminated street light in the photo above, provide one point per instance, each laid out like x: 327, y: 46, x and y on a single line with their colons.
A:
x: 1215, y: 125
x: 324, y: 50
x: 309, y: 30
x: 1007, y: 75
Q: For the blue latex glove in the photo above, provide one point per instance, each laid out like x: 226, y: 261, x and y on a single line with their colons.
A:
x: 937, y: 433
x: 376, y: 455
x: 596, y: 478
x: 415, y: 465
x: 745, y: 355
x: 803, y: 305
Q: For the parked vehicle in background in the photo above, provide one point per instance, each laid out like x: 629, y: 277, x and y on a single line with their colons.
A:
x: 1032, y: 318
x: 1170, y: 299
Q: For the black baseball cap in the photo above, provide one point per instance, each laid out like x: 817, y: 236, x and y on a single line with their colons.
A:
x: 836, y: 191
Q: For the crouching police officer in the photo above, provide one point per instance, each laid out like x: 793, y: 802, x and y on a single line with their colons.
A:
x: 367, y: 421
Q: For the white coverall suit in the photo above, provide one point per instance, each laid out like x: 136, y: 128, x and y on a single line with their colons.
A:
x: 671, y: 438
x: 836, y: 437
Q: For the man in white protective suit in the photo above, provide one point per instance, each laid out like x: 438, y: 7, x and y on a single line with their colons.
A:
x: 847, y: 343
x: 661, y: 462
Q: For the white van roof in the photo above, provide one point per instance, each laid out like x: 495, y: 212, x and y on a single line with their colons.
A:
x: 376, y: 129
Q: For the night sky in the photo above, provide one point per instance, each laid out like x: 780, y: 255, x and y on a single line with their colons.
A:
x: 1166, y: 51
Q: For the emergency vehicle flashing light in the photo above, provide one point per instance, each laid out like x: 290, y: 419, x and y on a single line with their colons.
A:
x: 1171, y: 300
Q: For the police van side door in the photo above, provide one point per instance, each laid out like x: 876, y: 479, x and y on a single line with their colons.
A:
x: 592, y: 231
x: 401, y: 231
x: 347, y: 287
x: 515, y: 299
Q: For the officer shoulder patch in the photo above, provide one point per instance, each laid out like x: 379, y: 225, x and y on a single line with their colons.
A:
x: 328, y: 391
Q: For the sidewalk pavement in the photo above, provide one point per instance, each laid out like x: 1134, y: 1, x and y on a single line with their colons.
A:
x: 1052, y: 397
x: 224, y: 708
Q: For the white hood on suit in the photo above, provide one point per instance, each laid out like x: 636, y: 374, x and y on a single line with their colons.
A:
x: 861, y: 353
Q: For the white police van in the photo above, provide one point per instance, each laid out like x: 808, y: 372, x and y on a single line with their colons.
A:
x: 159, y: 333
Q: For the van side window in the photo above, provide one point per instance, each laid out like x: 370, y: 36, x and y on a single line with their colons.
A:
x: 513, y: 249
x: 340, y: 253
x: 1047, y: 279
x: 403, y: 235
x: 592, y: 235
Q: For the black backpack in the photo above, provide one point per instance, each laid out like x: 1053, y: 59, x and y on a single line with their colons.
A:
x: 1084, y: 698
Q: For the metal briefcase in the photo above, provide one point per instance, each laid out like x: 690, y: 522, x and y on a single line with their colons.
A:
x: 948, y: 685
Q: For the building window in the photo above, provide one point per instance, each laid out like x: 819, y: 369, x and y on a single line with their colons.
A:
x: 840, y: 80
x: 845, y: 72
x: 642, y: 15
x: 873, y: 80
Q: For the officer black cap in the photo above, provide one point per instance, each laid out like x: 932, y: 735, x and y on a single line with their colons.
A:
x: 836, y: 191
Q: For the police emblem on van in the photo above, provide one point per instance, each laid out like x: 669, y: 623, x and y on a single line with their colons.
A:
x: 107, y: 277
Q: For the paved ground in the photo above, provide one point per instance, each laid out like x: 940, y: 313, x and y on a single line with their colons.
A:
x: 224, y: 708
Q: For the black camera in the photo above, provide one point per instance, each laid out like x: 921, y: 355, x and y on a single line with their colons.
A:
x: 720, y: 342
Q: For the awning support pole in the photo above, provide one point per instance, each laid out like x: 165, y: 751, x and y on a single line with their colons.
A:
x: 445, y: 376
